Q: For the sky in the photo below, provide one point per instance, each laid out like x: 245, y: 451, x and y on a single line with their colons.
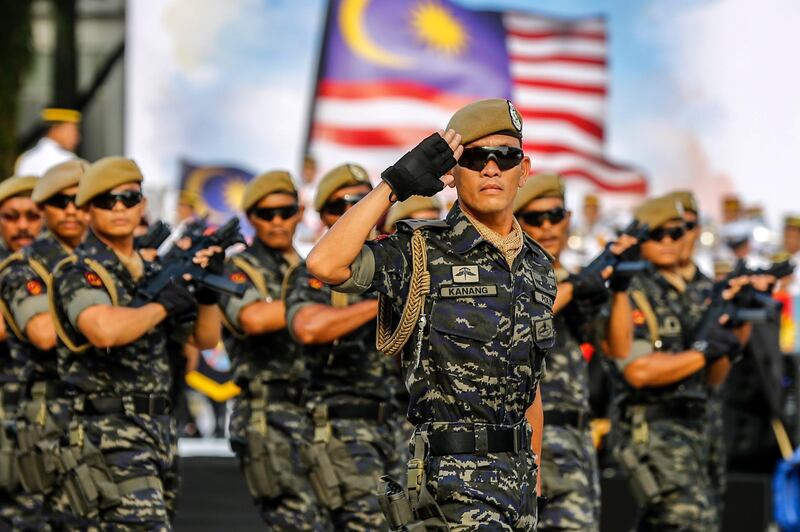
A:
x: 702, y: 92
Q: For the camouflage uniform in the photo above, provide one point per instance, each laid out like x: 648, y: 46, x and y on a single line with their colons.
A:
x: 698, y: 290
x: 569, y: 461
x: 665, y: 426
x: 270, y: 367
x: 358, y: 386
x: 24, y: 293
x: 473, y: 364
x: 122, y: 406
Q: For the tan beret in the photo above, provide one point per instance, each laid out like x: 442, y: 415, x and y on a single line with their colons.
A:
x: 486, y: 117
x: 687, y: 200
x: 104, y: 175
x: 404, y: 209
x: 17, y: 186
x: 539, y: 186
x: 792, y: 220
x: 345, y: 175
x: 266, y: 184
x: 591, y: 200
x: 61, y: 176
x: 658, y: 211
x: 731, y: 202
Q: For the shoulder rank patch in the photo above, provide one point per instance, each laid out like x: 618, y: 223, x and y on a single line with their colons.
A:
x: 315, y: 283
x: 638, y: 317
x: 93, y: 279
x: 238, y: 277
x: 34, y: 287
x: 543, y: 329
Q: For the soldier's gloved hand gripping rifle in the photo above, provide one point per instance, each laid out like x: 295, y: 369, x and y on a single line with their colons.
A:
x: 179, y: 263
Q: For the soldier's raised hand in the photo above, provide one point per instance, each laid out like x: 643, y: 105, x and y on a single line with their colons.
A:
x: 419, y: 172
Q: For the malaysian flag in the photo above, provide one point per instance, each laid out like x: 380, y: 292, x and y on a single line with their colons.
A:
x: 392, y: 71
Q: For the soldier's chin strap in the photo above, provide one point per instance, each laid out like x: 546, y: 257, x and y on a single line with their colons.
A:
x: 391, y: 342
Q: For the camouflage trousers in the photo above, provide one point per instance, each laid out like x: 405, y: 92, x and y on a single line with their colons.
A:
x: 135, y: 446
x: 676, y: 452
x: 288, y: 430
x: 492, y: 492
x: 570, y: 480
x: 368, y: 451
x: 717, y: 458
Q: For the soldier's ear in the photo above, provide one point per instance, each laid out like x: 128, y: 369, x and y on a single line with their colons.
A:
x: 525, y: 170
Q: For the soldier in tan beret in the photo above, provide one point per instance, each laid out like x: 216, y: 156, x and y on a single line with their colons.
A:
x: 113, y: 354
x: 20, y: 223
x: 58, y: 144
x: 666, y: 372
x: 353, y: 393
x: 24, y: 279
x: 478, y: 296
x: 269, y: 425
x: 414, y: 208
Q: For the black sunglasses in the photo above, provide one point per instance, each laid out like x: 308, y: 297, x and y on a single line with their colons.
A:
x: 269, y: 213
x: 60, y: 201
x: 675, y: 233
x: 537, y: 218
x: 690, y: 225
x: 340, y: 206
x: 13, y: 216
x: 107, y: 201
x: 506, y: 157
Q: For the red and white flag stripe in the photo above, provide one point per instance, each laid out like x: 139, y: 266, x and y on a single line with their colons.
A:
x: 560, y: 84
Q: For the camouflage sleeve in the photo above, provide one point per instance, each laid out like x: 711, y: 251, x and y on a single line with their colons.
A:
x: 303, y: 289
x: 25, y: 294
x: 77, y: 288
x: 384, y: 265
x: 232, y: 306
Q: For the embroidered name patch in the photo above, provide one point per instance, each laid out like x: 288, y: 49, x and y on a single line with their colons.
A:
x: 545, y: 300
x: 466, y: 274
x: 468, y: 291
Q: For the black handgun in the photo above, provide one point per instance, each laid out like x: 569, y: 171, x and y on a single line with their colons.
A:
x: 180, y: 263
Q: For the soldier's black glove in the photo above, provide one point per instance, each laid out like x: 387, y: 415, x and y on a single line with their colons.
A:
x: 216, y: 265
x: 176, y: 299
x: 418, y: 172
x: 619, y: 283
x: 587, y: 285
x: 719, y: 342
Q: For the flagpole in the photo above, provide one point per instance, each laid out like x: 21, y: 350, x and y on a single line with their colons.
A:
x: 312, y: 107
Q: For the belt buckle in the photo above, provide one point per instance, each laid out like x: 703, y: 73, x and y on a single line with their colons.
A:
x: 381, y: 412
x: 151, y: 404
x: 516, y: 436
x: 481, y: 439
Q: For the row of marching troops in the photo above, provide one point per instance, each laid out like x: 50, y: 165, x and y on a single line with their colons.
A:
x: 481, y: 421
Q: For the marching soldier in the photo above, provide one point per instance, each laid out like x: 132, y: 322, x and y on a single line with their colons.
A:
x: 569, y: 472
x: 472, y: 299
x: 114, y: 357
x: 20, y: 223
x: 269, y: 425
x: 352, y: 389
x: 44, y: 410
x: 665, y: 373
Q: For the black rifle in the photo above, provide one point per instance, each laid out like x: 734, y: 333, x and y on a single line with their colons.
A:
x: 154, y: 237
x: 626, y: 263
x: 181, y: 263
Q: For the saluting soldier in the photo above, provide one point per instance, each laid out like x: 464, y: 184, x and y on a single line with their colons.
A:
x: 20, y: 223
x: 44, y: 411
x: 114, y: 357
x: 479, y: 319
x: 665, y: 373
x: 269, y: 426
x: 353, y: 387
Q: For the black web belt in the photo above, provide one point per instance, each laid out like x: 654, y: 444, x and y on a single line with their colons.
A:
x: 567, y: 418
x: 277, y: 392
x: 150, y: 405
x: 378, y: 412
x: 53, y: 390
x: 484, y: 439
x: 689, y: 411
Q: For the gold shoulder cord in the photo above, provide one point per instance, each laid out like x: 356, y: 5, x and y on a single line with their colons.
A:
x: 388, y: 342
x: 4, y: 310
